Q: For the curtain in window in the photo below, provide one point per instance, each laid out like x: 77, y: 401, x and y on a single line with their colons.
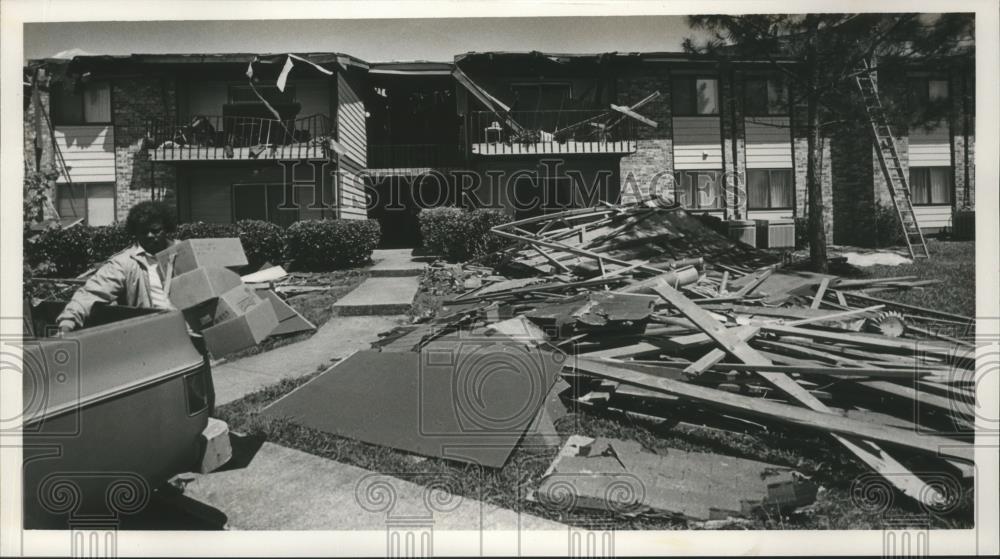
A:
x: 97, y: 103
x: 940, y: 182
x: 781, y: 189
x: 777, y: 97
x: 708, y: 96
x: 920, y: 185
x: 708, y: 192
x: 937, y: 89
x: 757, y: 188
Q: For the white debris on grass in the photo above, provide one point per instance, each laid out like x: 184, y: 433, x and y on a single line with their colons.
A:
x: 875, y: 259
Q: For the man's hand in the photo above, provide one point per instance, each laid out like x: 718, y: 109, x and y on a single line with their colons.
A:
x: 66, y: 326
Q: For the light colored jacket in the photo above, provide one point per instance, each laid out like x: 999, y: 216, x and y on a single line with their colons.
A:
x: 124, y: 279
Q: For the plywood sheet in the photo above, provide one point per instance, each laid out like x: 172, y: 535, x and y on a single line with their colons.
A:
x: 469, y: 401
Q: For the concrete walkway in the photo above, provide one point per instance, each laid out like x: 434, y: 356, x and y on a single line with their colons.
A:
x: 395, y: 262
x: 336, y: 339
x: 286, y: 489
x: 394, y: 281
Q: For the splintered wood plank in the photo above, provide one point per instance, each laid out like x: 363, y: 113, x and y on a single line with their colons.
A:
x: 785, y: 413
x: 820, y: 292
x: 881, y: 342
x: 868, y: 452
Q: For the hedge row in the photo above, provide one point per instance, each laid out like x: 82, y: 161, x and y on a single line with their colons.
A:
x: 456, y: 234
x: 310, y: 245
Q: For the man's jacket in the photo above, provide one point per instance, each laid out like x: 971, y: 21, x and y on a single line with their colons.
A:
x: 123, y: 280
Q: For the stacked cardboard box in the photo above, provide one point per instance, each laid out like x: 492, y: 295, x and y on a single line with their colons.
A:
x: 230, y: 315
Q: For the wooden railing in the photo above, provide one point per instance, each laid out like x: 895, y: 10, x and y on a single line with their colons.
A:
x: 237, y: 137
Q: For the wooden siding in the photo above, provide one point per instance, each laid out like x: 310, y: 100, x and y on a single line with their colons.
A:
x: 930, y: 148
x: 353, y: 201
x: 932, y: 217
x: 351, y: 122
x: 768, y: 143
x: 89, y: 152
x: 697, y: 143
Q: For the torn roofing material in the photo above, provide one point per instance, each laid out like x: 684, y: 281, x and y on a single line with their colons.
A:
x: 618, y: 476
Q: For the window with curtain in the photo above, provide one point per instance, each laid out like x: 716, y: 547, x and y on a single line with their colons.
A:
x: 769, y: 189
x: 930, y: 185
x: 765, y: 96
x: 694, y: 96
x: 92, y: 202
x: 84, y: 104
x: 699, y: 189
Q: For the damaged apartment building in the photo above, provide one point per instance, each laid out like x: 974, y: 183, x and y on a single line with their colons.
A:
x: 225, y: 137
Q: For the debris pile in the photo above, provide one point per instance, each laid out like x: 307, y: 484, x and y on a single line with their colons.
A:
x: 646, y: 311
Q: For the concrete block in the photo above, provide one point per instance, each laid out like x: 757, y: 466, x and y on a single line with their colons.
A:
x: 215, y: 444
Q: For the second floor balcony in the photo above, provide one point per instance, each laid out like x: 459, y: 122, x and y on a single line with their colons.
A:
x: 552, y: 132
x: 238, y: 138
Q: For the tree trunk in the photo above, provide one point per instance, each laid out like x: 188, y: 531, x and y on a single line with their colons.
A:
x: 817, y: 228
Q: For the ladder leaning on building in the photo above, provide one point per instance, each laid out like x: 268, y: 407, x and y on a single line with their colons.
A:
x: 888, y: 158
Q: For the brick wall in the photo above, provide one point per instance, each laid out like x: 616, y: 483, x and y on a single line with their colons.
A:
x: 654, y: 154
x: 38, y: 150
x: 133, y: 101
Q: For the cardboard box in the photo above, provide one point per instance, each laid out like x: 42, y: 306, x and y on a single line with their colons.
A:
x: 201, y: 285
x: 227, y: 306
x: 241, y: 332
x: 196, y: 253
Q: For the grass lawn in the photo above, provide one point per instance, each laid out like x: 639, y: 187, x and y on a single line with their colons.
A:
x: 954, y: 262
x: 817, y: 457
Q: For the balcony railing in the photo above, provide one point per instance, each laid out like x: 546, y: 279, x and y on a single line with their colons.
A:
x: 238, y: 138
x: 413, y: 156
x: 556, y: 132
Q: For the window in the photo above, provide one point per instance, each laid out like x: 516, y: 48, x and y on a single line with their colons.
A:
x: 765, y: 96
x: 261, y: 202
x: 925, y: 91
x: 930, y: 185
x: 92, y: 202
x: 699, y: 190
x: 769, y: 189
x: 86, y: 104
x: 695, y: 96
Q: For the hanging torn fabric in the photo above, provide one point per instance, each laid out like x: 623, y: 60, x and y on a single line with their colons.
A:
x: 283, y: 76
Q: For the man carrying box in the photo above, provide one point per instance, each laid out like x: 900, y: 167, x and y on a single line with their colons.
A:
x: 132, y: 277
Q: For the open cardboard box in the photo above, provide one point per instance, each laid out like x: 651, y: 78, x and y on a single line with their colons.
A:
x: 248, y: 328
x: 201, y: 286
x: 197, y: 253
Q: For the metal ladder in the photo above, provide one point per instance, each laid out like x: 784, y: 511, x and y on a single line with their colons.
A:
x: 888, y: 158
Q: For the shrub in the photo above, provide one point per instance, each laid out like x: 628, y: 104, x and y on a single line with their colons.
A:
x: 202, y: 230
x: 888, y: 231
x: 320, y: 245
x: 59, y: 253
x: 262, y: 241
x: 108, y: 240
x: 457, y: 234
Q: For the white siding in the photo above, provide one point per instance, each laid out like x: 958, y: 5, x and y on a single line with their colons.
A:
x: 930, y: 148
x: 697, y: 142
x: 351, y: 122
x: 89, y: 152
x: 933, y: 216
x: 768, y: 143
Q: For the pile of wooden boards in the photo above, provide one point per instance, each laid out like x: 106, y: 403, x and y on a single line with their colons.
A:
x: 650, y: 326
